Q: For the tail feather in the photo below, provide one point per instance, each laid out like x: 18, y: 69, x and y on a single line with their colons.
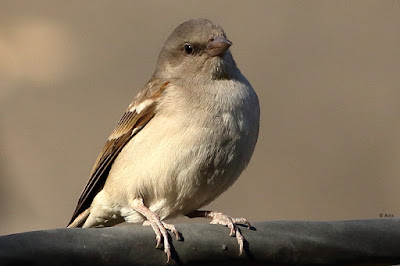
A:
x: 80, y: 219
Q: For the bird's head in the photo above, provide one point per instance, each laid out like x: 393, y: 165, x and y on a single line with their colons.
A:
x: 197, y: 50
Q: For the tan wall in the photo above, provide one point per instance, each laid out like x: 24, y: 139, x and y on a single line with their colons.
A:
x: 327, y: 74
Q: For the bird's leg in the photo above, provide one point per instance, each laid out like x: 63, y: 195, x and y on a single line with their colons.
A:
x: 160, y: 228
x: 223, y: 219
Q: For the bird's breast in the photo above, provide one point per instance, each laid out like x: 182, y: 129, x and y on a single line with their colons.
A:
x: 187, y: 155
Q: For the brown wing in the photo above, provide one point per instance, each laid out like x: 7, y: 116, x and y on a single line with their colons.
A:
x: 138, y: 114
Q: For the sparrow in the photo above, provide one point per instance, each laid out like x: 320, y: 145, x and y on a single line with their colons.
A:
x: 185, y: 139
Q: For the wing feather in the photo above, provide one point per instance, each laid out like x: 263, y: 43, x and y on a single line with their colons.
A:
x: 129, y: 125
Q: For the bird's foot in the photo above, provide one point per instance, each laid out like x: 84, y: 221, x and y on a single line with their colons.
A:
x: 223, y: 219
x: 159, y: 227
x: 169, y: 227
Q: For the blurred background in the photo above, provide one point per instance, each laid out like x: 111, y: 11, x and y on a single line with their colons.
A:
x: 327, y: 74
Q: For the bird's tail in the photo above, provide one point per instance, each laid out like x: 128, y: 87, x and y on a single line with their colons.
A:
x: 80, y: 219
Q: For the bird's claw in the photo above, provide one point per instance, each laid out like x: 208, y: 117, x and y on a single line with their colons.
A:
x: 160, y: 229
x: 223, y: 219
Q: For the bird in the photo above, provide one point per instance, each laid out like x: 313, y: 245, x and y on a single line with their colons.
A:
x: 184, y: 140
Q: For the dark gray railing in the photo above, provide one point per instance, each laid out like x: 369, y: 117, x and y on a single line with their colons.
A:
x: 360, y: 242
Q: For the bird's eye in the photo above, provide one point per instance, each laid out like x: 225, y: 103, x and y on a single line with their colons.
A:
x: 188, y: 48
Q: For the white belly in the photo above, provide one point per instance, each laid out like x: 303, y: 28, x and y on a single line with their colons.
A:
x: 179, y: 167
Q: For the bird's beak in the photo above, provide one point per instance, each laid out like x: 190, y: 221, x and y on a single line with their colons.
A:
x: 218, y: 46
